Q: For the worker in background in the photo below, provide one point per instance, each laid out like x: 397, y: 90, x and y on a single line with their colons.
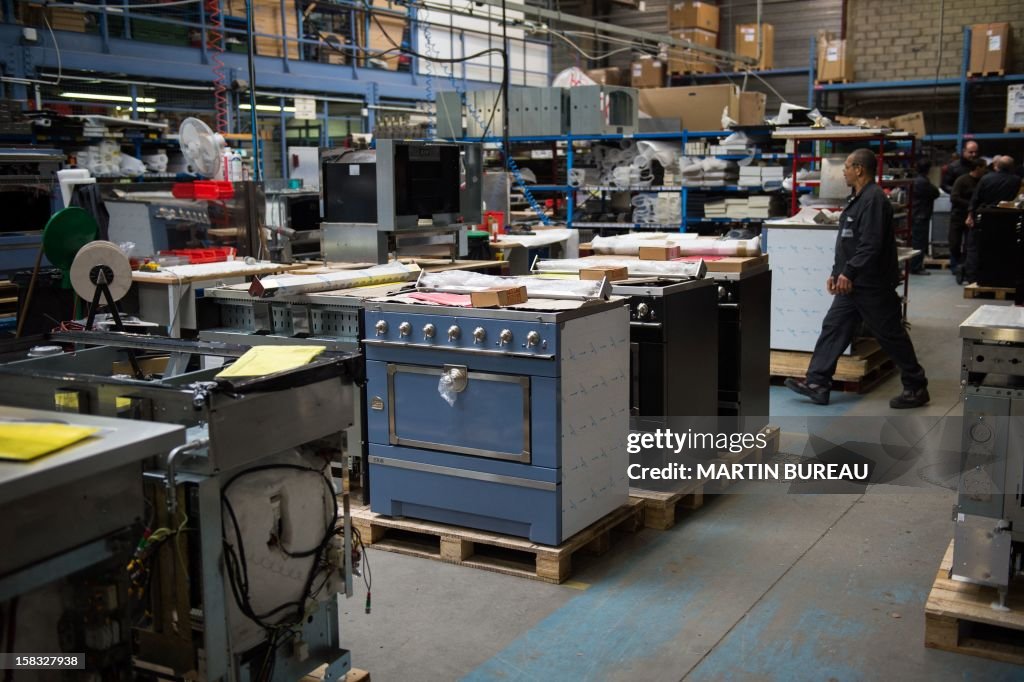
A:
x: 1003, y: 184
x: 863, y: 281
x: 960, y: 202
x: 924, y: 196
x: 959, y: 167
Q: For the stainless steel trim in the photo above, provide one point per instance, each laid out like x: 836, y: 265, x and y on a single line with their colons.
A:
x: 393, y: 438
x: 472, y: 351
x: 583, y: 310
x: 652, y: 325
x: 463, y: 473
x: 728, y: 305
x: 641, y: 289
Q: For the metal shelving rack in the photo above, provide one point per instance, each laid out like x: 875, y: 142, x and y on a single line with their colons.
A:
x: 683, y: 137
x: 817, y: 91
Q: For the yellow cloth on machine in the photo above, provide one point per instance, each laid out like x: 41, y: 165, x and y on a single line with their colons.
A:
x: 259, y: 361
x: 24, y: 442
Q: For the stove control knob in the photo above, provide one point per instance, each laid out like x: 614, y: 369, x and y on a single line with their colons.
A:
x: 532, y: 339
x: 479, y: 334
x: 454, y: 332
x: 505, y: 336
x: 642, y: 310
x: 428, y: 331
x: 722, y: 293
x: 381, y: 327
x: 404, y: 329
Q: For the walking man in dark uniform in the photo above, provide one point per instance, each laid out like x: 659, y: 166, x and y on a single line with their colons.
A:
x: 863, y: 281
x: 925, y: 194
x: 960, y: 202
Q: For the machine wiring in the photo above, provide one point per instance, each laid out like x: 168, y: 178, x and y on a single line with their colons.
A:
x: 280, y: 632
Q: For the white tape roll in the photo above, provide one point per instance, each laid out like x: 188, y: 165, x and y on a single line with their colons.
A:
x: 101, y: 257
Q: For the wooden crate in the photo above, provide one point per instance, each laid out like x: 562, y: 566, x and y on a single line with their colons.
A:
x: 936, y: 263
x: 492, y: 551
x: 958, y: 617
x: 661, y: 508
x: 858, y: 372
x: 997, y: 293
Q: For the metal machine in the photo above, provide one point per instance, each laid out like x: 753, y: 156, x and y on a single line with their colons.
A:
x: 999, y: 238
x: 28, y: 178
x: 673, y: 324
x: 258, y: 550
x: 989, y: 515
x: 64, y: 561
x: 511, y: 420
x: 293, y: 221
x: 150, y: 217
x: 403, y: 195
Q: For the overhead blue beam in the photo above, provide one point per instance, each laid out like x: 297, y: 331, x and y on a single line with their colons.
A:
x: 182, y: 63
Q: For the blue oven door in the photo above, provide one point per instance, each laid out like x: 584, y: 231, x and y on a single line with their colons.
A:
x: 489, y: 417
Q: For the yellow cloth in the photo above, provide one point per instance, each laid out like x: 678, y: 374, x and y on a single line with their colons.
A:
x: 24, y: 442
x: 262, y: 360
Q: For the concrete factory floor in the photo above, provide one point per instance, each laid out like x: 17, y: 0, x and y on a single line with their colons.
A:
x: 780, y: 587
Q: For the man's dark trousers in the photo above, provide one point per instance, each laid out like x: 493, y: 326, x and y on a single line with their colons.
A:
x: 879, y: 308
x: 919, y: 233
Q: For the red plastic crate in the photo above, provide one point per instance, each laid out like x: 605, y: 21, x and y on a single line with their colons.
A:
x: 197, y: 256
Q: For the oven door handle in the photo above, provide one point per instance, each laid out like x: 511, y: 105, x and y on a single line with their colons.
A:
x: 652, y: 325
x: 471, y: 351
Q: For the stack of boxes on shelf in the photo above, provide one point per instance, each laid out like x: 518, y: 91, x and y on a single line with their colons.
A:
x: 749, y: 208
x: 835, y: 62
x: 768, y: 177
x: 756, y: 42
x: 647, y: 72
x: 696, y: 22
x: 990, y: 45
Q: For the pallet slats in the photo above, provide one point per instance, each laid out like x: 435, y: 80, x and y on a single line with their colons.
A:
x: 492, y: 551
x: 859, y: 372
x: 353, y: 675
x: 959, y: 618
x: 661, y: 508
x: 997, y: 293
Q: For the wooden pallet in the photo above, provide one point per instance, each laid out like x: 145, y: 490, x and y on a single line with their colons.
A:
x: 661, y: 508
x: 997, y: 293
x: 493, y: 551
x: 353, y: 675
x: 831, y: 82
x: 8, y: 296
x: 958, y: 617
x: 983, y: 74
x: 859, y: 372
x: 936, y: 263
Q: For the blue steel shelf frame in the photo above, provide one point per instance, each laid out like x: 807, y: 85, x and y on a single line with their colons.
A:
x: 963, y: 81
x: 683, y: 137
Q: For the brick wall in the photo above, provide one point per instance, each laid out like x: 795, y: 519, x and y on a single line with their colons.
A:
x: 899, y: 40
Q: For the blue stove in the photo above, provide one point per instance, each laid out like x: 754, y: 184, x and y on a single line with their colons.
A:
x: 512, y: 420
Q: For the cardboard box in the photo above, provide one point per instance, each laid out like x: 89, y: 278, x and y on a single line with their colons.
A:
x: 752, y: 108
x: 912, y: 123
x: 647, y: 72
x: 609, y: 76
x: 332, y: 48
x: 1015, y: 107
x: 835, y: 62
x: 691, y: 61
x: 663, y: 252
x: 749, y: 42
x: 498, y: 297
x: 990, y: 46
x: 613, y: 273
x: 697, y: 107
x: 693, y: 14
x: 267, y: 19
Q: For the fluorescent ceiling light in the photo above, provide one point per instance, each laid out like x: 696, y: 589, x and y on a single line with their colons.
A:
x: 107, y: 98
x: 267, y: 107
x: 141, y: 110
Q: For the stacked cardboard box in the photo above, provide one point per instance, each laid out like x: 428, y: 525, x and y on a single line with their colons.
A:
x: 990, y: 45
x: 387, y: 31
x: 759, y: 45
x: 698, y: 107
x: 60, y: 18
x: 647, y: 72
x: 752, y: 106
x: 835, y: 61
x: 696, y: 22
x: 611, y: 75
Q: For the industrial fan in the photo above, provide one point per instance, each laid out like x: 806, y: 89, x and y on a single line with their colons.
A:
x: 202, y: 148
